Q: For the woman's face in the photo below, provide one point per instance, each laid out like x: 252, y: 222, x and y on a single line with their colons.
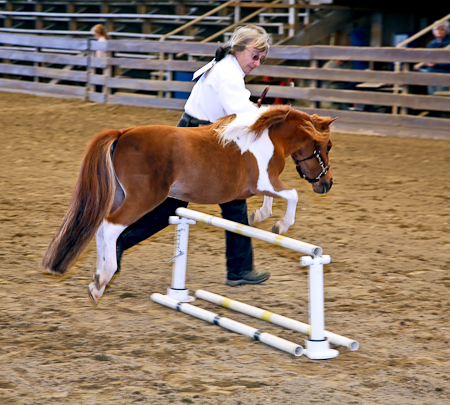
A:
x: 440, y: 32
x: 250, y: 58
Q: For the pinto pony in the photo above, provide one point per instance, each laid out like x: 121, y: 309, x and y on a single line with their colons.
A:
x: 126, y: 174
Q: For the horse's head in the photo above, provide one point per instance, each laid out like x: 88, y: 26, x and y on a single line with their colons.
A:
x: 311, y: 160
x: 306, y: 138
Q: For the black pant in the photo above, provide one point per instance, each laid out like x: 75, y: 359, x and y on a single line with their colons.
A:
x: 238, y: 251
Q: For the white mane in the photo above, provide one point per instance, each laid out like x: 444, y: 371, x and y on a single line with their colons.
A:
x: 238, y: 130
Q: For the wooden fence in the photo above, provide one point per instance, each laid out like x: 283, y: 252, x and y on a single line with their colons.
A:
x: 157, y: 74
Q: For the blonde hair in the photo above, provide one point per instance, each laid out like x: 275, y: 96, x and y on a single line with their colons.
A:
x: 101, y: 30
x: 246, y: 35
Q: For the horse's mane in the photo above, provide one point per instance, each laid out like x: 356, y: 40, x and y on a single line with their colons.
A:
x: 249, y: 126
x: 221, y: 125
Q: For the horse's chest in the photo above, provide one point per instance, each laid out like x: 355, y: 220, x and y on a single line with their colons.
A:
x: 262, y: 149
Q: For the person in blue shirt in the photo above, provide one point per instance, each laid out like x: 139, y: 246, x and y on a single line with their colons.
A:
x: 441, y: 40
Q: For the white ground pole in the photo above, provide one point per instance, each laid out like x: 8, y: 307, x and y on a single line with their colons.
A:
x: 177, y: 290
x: 234, y: 326
x: 276, y: 319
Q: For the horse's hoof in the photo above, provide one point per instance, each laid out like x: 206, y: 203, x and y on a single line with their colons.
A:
x: 279, y: 229
x: 91, y: 297
x: 97, y: 281
x: 252, y: 218
x: 276, y: 228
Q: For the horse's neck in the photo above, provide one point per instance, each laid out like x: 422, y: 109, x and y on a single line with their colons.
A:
x: 288, y: 138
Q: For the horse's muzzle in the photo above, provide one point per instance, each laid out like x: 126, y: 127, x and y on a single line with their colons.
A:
x: 322, y: 187
x: 327, y: 186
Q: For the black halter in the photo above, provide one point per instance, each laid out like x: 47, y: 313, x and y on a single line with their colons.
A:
x: 316, y: 154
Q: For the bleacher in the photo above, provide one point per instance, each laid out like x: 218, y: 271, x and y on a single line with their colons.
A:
x: 149, y: 20
x: 153, y: 19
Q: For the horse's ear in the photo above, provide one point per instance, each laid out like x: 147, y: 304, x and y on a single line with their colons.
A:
x: 322, y: 123
x: 273, y: 115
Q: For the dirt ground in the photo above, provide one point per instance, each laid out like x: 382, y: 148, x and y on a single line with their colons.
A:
x: 385, y: 225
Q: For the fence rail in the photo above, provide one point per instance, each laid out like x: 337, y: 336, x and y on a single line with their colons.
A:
x: 152, y: 73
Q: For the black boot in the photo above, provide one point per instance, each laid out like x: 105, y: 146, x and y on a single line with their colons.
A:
x: 252, y: 276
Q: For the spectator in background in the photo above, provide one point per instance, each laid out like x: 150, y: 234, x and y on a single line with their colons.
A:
x: 101, y: 35
x: 441, y: 40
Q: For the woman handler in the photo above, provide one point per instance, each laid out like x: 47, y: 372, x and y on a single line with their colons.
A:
x: 220, y: 91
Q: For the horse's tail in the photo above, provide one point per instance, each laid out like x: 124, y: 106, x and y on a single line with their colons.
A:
x: 90, y: 204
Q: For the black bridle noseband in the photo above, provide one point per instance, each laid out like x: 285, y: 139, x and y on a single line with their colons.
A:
x: 316, y: 154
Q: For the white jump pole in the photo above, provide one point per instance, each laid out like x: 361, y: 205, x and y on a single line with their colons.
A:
x: 177, y: 290
x: 276, y: 319
x: 229, y: 324
x: 251, y: 232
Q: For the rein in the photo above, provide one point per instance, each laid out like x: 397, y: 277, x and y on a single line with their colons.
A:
x: 316, y: 154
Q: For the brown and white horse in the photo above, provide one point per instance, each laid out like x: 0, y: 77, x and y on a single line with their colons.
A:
x: 126, y: 174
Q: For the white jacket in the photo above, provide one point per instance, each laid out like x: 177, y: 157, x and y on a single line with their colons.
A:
x: 219, y: 92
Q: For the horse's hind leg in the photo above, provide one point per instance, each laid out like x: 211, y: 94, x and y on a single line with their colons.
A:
x: 134, y: 207
x: 262, y: 213
x: 99, y: 240
x: 106, y: 258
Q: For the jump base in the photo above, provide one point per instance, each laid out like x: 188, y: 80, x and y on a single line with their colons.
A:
x: 319, y: 350
x: 180, y: 295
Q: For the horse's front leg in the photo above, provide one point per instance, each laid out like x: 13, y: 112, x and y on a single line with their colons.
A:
x: 291, y: 196
x: 262, y: 213
x: 106, y: 239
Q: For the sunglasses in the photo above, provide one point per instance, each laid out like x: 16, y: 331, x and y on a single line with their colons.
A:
x: 256, y: 57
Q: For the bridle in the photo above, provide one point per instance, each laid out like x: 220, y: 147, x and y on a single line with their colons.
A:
x: 316, y: 154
